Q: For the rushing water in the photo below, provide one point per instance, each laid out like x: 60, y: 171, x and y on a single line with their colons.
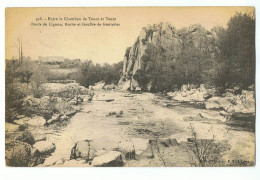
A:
x: 146, y: 115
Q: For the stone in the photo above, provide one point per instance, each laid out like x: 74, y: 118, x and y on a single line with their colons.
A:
x: 126, y: 85
x: 50, y: 161
x: 217, y: 103
x: 117, y: 113
x: 138, y: 89
x: 140, y: 144
x: 23, y: 155
x: 203, y: 88
x: 228, y: 94
x: 39, y: 137
x: 212, y: 105
x: 52, y: 120
x: 128, y: 95
x: 207, y: 95
x: 103, y: 97
x: 213, y: 116
x: 73, y: 102
x: 45, y: 147
x: 86, y: 149
x: 184, y: 88
x: 22, y: 127
x: 20, y: 116
x: 87, y: 98
x: 64, y: 117
x: 81, y: 150
x: 100, y: 152
x: 21, y: 121
x: 224, y: 113
x: 102, y: 143
x: 109, y: 86
x: 59, y: 162
x: 231, y: 91
x: 110, y: 159
x: 36, y: 121
x: 167, y: 142
x: 27, y: 137
x: 127, y: 149
x: 171, y: 94
x: 11, y: 127
x: 98, y: 85
x: 197, y: 96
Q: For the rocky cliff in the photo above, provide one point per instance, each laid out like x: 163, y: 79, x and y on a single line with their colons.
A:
x: 170, y: 42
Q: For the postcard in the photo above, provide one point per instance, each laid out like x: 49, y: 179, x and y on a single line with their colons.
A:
x: 130, y: 87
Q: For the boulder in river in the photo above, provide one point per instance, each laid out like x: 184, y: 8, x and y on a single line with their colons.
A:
x: 82, y: 150
x: 110, y: 159
x: 26, y: 137
x: 45, y: 147
x: 218, y: 103
x: 36, y: 121
x: 167, y: 142
x: 127, y: 149
x: 87, y: 149
x: 23, y: 155
x: 140, y: 144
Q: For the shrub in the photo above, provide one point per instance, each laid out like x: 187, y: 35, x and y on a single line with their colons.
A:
x: 208, y: 152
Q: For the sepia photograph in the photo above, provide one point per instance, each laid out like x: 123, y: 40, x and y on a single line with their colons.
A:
x: 130, y: 86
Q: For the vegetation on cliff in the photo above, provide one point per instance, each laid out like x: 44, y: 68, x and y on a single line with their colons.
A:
x: 164, y: 58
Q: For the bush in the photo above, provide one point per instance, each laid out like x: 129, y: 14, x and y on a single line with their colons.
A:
x: 90, y: 73
x: 208, y: 152
x: 18, y: 85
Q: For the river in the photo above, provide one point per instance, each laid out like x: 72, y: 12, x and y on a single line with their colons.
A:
x: 148, y: 115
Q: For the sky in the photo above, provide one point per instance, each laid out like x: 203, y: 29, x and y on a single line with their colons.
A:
x: 100, y: 44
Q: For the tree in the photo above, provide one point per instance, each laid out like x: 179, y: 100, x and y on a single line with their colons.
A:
x: 237, y: 51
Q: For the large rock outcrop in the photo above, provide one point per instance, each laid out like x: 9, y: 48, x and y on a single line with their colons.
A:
x: 163, y: 38
x: 136, y: 57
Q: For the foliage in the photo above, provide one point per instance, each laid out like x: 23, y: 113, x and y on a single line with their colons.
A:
x: 91, y: 73
x: 22, y: 80
x: 208, y: 152
x: 237, y: 52
x: 69, y: 92
x: 224, y: 58
x: 69, y: 63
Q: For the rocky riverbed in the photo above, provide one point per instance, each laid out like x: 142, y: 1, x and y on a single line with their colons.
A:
x: 118, y: 128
